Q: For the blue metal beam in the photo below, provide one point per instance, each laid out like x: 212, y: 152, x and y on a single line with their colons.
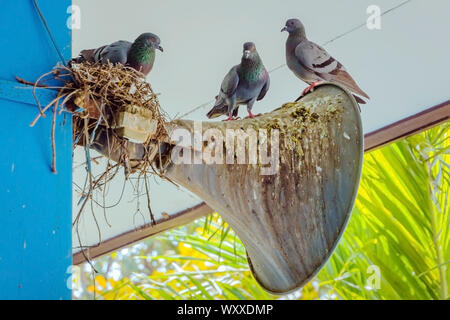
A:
x: 13, y: 91
x: 35, y: 205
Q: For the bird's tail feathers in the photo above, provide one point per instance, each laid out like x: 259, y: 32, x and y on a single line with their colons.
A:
x: 343, y: 77
x: 88, y: 55
x: 219, y: 109
x: 359, y: 100
x: 85, y: 56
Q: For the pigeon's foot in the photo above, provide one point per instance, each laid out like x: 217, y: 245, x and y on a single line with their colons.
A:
x: 311, y: 87
x: 231, y: 118
x: 251, y: 115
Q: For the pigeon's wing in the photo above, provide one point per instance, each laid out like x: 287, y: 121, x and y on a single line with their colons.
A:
x: 227, y: 89
x: 87, y: 55
x: 116, y: 52
x: 230, y: 82
x: 264, y: 90
x: 317, y: 60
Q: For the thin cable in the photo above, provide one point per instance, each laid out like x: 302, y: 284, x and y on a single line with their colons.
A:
x: 281, y: 66
x: 365, y: 23
x: 195, y: 109
x: 49, y: 32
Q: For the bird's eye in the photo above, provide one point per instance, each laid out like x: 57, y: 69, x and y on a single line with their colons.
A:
x: 152, y: 39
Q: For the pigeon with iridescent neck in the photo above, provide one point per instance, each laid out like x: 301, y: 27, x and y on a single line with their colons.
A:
x: 139, y: 55
x: 244, y: 84
x: 312, y: 63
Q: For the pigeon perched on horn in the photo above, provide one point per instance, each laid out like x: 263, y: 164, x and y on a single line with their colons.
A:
x: 139, y: 55
x: 244, y: 84
x: 313, y: 64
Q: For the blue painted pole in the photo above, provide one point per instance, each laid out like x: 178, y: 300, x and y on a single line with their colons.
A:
x: 35, y: 205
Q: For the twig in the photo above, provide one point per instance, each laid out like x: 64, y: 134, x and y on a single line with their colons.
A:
x: 34, y: 92
x: 147, y: 192
x: 29, y: 83
x: 45, y: 109
x: 53, y: 139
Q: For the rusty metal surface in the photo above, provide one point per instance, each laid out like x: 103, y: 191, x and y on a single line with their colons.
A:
x: 289, y: 222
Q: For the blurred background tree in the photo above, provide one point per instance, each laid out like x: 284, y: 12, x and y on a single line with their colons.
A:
x: 396, y: 246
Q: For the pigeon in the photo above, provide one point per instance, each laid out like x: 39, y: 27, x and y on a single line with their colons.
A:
x: 244, y: 84
x: 312, y: 63
x: 139, y: 55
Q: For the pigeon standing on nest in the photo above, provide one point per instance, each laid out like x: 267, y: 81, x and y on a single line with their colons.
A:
x: 245, y: 84
x: 312, y: 64
x: 139, y: 55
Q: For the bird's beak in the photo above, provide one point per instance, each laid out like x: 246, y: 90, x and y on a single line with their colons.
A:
x: 284, y: 29
x: 246, y: 54
x: 160, y: 49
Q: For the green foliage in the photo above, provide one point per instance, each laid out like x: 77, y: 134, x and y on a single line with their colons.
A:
x: 396, y: 246
x: 400, y: 224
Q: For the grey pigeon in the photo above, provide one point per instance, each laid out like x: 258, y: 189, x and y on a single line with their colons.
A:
x: 312, y: 64
x: 245, y: 84
x: 139, y: 55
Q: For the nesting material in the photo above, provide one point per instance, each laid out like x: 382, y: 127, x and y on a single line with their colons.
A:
x: 115, y: 103
x: 121, y: 97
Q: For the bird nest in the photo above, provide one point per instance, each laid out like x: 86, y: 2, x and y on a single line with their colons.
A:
x: 116, y: 100
x: 111, y: 96
x: 119, y: 98
x: 111, y: 103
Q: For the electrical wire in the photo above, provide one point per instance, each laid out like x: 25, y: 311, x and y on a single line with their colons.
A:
x: 44, y: 22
